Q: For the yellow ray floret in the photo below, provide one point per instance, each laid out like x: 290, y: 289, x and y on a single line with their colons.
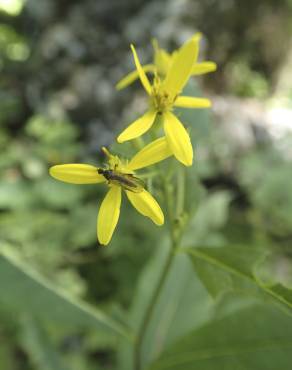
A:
x: 203, y: 68
x: 190, y: 102
x: 181, y: 68
x: 108, y: 215
x: 119, y: 175
x: 147, y: 206
x: 142, y: 74
x: 162, y: 62
x: 76, y: 173
x: 138, y: 127
x: 178, y: 139
x: 150, y: 154
x: 133, y: 76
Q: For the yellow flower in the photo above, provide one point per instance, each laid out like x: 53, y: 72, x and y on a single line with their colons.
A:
x: 119, y: 175
x: 162, y: 62
x: 164, y: 94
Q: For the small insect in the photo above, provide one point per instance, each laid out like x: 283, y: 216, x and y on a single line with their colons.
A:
x: 126, y: 180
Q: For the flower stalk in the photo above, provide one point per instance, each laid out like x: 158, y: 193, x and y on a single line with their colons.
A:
x: 170, y: 74
x: 175, y: 232
x: 150, y: 308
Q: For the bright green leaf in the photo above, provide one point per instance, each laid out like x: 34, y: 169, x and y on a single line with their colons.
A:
x: 238, y: 262
x: 182, y: 305
x: 256, y: 338
x: 23, y: 290
x: 37, y: 344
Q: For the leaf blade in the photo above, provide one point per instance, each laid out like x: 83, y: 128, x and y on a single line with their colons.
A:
x: 240, y: 261
x: 258, y: 337
x: 47, y: 302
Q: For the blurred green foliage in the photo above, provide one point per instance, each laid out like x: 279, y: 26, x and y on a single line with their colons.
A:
x: 67, y: 303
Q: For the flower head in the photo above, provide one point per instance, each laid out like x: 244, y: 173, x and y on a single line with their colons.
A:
x: 164, y: 95
x: 119, y: 175
x: 162, y: 61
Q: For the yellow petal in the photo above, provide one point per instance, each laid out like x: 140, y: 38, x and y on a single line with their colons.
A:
x: 138, y: 127
x: 131, y: 77
x: 147, y: 206
x: 142, y: 74
x: 156, y: 151
x: 108, y: 215
x: 197, y: 36
x: 162, y: 59
x: 76, y: 173
x: 204, y: 67
x: 178, y: 139
x: 190, y: 102
x: 181, y: 67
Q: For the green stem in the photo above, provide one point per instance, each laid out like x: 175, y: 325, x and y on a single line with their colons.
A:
x: 180, y: 198
x: 138, y: 143
x: 175, y: 230
x: 150, y: 309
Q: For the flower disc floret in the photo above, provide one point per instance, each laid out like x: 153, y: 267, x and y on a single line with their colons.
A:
x: 160, y: 99
x: 115, y: 163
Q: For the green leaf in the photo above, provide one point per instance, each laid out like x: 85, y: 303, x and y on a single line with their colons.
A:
x: 182, y: 304
x: 237, y: 266
x: 24, y: 291
x: 215, y: 280
x: 211, y: 215
x: 7, y: 356
x: 257, y: 338
x: 15, y: 195
x: 267, y: 190
x: 37, y: 344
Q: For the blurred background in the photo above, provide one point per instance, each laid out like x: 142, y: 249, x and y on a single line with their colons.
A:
x: 59, y: 62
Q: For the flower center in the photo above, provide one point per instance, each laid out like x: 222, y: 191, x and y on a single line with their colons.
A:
x: 114, y: 163
x: 160, y: 99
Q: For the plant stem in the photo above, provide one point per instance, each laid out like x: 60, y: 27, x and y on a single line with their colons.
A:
x: 175, y: 231
x: 180, y: 198
x: 150, y: 309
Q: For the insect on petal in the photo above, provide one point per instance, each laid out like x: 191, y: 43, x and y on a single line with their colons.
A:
x: 138, y: 127
x: 147, y: 206
x: 76, y: 173
x: 108, y: 215
x: 178, y: 139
